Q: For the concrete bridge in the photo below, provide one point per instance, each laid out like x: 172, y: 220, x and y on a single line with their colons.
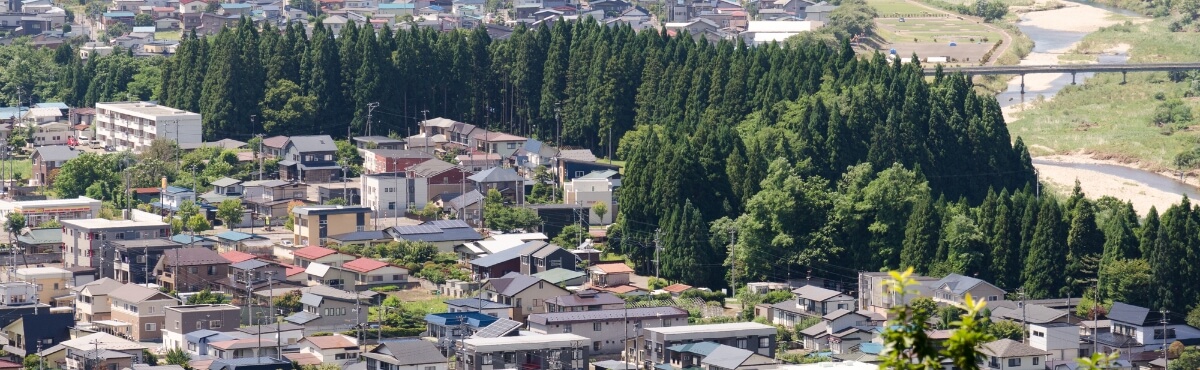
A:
x: 1073, y: 69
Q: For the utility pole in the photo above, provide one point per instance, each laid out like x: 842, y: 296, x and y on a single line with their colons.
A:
x: 259, y: 156
x: 733, y: 262
x: 1024, y: 322
x: 370, y: 108
x: 271, y: 309
x: 1166, y: 357
x: 657, y: 248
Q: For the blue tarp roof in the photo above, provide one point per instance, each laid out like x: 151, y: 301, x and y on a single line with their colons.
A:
x: 475, y: 319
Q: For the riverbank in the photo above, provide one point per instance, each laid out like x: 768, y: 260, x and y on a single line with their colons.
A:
x: 1057, y: 173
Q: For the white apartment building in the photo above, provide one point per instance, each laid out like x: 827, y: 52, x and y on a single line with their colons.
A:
x: 83, y: 239
x: 587, y: 191
x: 389, y: 193
x: 134, y: 125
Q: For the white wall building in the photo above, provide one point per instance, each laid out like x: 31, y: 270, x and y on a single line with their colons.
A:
x: 1060, y: 339
x: 389, y: 193
x: 134, y: 125
x: 589, y: 191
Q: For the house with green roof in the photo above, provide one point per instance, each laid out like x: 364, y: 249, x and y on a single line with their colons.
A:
x: 562, y: 277
x: 38, y: 241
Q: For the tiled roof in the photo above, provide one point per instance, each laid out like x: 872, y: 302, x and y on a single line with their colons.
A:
x: 364, y: 265
x: 677, y: 288
x: 613, y: 268
x: 313, y: 252
x: 331, y: 341
x: 275, y: 141
x: 1010, y: 348
x: 236, y: 256
x: 134, y: 293
x: 815, y: 293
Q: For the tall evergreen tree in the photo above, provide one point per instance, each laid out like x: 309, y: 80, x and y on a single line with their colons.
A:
x: 921, y: 237
x: 1045, y: 265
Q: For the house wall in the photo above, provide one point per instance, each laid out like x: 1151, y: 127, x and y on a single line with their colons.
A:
x: 497, y: 270
x: 848, y: 342
x: 1061, y: 341
x: 335, y: 277
x: 567, y: 356
x: 309, y: 232
x: 190, y: 278
x: 389, y: 196
x: 530, y: 301
x: 589, y: 192
x: 341, y: 316
x: 601, y: 279
x: 759, y: 341
x: 97, y: 309
x: 147, y: 322
x: 381, y: 276
x: 1025, y: 363
x: 605, y: 337
x: 558, y: 259
x: 78, y: 246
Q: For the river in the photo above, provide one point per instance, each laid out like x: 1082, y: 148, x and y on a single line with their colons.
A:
x: 1048, y: 44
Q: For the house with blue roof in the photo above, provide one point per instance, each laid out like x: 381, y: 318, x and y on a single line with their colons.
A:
x: 234, y: 240
x: 396, y: 9
x: 172, y: 197
x: 118, y: 17
x: 197, y: 341
x: 446, y: 328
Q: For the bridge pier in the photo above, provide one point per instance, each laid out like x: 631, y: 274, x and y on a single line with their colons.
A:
x: 1072, y: 78
x: 1022, y: 84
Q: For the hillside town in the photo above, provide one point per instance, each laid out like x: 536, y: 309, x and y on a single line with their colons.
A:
x: 453, y: 248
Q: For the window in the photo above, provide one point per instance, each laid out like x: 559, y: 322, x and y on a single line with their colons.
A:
x: 1158, y: 334
x: 1035, y: 361
x: 764, y: 342
x: 1014, y: 362
x: 199, y: 325
x: 391, y: 205
x: 512, y: 145
x: 1041, y: 334
x: 518, y: 305
x: 596, y: 346
x: 566, y: 328
x: 741, y: 343
x: 151, y: 309
x: 667, y: 323
x: 151, y: 326
x: 193, y: 270
x: 578, y: 173
x: 176, y: 324
x: 214, y: 324
x: 487, y: 359
x: 596, y: 326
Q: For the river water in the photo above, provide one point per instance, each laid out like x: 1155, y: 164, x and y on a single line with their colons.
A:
x: 1054, y: 41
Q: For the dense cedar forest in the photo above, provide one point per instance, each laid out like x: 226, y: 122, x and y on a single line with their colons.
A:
x: 801, y: 159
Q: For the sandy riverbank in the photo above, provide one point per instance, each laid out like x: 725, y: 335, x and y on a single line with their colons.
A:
x: 1096, y: 184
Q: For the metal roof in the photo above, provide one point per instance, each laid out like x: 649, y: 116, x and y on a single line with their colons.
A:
x: 314, y: 143
x: 476, y: 303
x: 607, y: 315
x: 56, y: 152
x: 497, y: 174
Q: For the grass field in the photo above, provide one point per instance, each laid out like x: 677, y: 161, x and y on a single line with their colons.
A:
x: 1113, y: 120
x: 888, y: 7
x: 168, y: 35
x: 23, y: 167
x: 934, y: 30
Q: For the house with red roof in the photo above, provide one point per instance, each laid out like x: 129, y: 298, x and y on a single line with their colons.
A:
x: 237, y: 256
x: 304, y: 256
x: 370, y: 273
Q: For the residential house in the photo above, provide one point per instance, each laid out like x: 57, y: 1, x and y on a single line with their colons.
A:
x: 173, y: 196
x: 134, y: 258
x: 332, y: 349
x: 101, y: 351
x: 540, y: 256
x: 478, y: 162
x: 285, y: 332
x: 389, y: 195
x: 1026, y: 313
x: 198, y: 343
x: 314, y: 224
x: 83, y: 239
x: 435, y: 177
x: 370, y: 273
x: 334, y: 277
x: 187, y: 319
x: 388, y: 160
x: 244, y: 348
x: 92, y: 302
x: 584, y: 300
x: 596, y: 187
x: 253, y: 244
x: 190, y: 269
x: 838, y: 331
x: 134, y: 125
x: 316, y: 254
x: 569, y: 169
x: 377, y: 142
x: 1008, y: 354
x: 331, y: 309
x: 252, y: 275
x: 523, y: 352
x: 878, y: 297
x: 46, y: 162
x: 495, y: 244
x: 534, y: 154
x: 954, y: 288
x: 40, y: 242
x: 607, y: 330
x: 310, y: 158
x: 819, y: 12
x: 653, y: 347
x: 1136, y: 328
x: 250, y: 363
x: 505, y: 260
x: 610, y: 7
x: 490, y: 308
x: 228, y: 187
x: 504, y: 180
x: 709, y: 355
x: 30, y: 333
x: 563, y: 277
x: 810, y: 301
x: 525, y: 293
x: 405, y: 354
x: 609, y: 274
x: 272, y: 147
x: 467, y: 207
x: 39, y: 211
x: 270, y: 198
x: 677, y: 289
x: 19, y: 298
x: 443, y: 234
x: 52, y: 282
x: 1060, y: 340
x: 448, y: 328
x: 137, y: 312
